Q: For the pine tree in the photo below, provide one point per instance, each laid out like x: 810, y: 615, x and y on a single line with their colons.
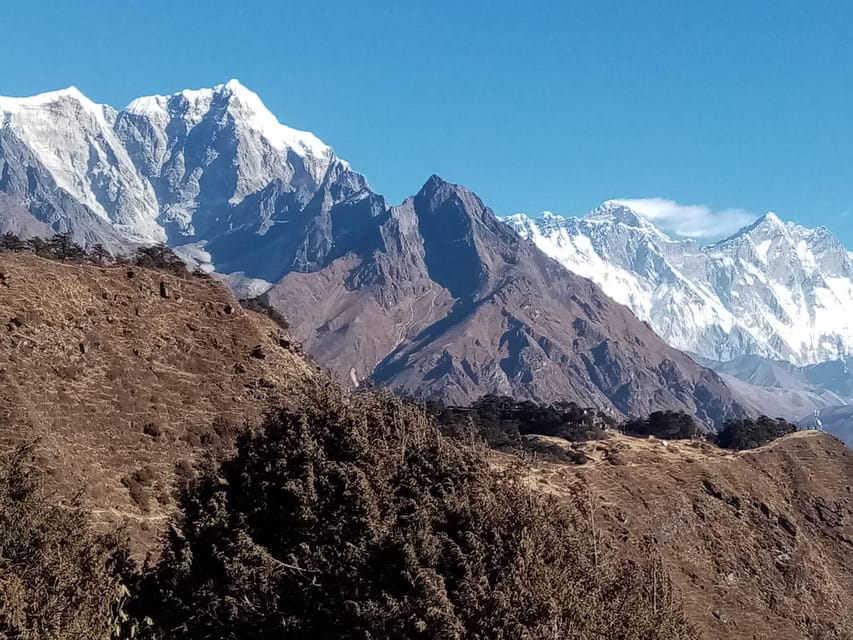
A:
x: 63, y: 247
x: 11, y: 242
x: 99, y: 253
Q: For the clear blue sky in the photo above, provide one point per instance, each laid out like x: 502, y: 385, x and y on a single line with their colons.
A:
x: 535, y: 105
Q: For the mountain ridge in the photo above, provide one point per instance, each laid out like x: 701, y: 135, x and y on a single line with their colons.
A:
x: 774, y: 289
x: 512, y: 322
x: 433, y: 296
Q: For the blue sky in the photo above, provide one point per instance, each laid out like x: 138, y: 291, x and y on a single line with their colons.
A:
x: 735, y: 106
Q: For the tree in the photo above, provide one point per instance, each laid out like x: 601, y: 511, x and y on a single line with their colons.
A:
x: 353, y: 517
x: 161, y: 257
x: 502, y: 421
x: 99, y: 253
x: 666, y: 425
x: 59, y: 580
x: 11, y: 242
x: 63, y: 247
x: 40, y: 247
x: 750, y: 434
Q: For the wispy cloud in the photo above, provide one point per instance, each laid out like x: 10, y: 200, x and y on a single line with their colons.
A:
x: 694, y: 221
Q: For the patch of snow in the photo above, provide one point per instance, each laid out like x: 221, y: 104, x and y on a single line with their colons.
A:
x: 245, y: 288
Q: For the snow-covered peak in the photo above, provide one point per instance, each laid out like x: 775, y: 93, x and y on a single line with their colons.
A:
x: 69, y: 142
x: 11, y: 104
x: 771, y: 218
x: 615, y: 211
x: 247, y: 103
x: 768, y: 224
x: 244, y: 105
x: 32, y: 107
x: 609, y: 214
x: 774, y: 288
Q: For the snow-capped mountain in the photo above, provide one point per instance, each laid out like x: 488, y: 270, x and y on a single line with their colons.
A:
x: 773, y: 289
x: 211, y: 171
x: 435, y: 297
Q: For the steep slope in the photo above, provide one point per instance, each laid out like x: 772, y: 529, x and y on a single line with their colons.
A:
x: 774, y: 289
x: 758, y: 543
x: 452, y: 303
x: 119, y: 384
x: 61, y: 160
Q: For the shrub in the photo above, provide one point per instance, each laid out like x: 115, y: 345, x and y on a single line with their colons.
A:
x: 11, y: 242
x: 99, y: 254
x: 353, y: 517
x: 162, y: 258
x: 62, y: 247
x: 261, y: 305
x: 666, y: 425
x: 749, y: 434
x: 58, y: 579
x: 502, y: 421
x: 40, y: 247
x: 153, y: 430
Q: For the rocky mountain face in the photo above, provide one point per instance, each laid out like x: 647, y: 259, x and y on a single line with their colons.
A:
x: 833, y: 379
x: 452, y: 303
x: 799, y: 394
x: 211, y: 172
x: 435, y: 296
x: 774, y: 289
x: 837, y: 420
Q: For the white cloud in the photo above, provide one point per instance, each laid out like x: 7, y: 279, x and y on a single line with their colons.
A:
x: 694, y: 221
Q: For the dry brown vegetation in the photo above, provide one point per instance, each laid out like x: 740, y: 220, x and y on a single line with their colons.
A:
x: 59, y: 580
x: 112, y: 378
x: 759, y: 543
x: 126, y: 376
x: 352, y: 517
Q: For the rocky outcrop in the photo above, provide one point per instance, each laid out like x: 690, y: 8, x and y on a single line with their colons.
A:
x: 454, y: 304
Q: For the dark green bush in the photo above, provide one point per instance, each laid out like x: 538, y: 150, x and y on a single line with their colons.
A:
x: 11, y: 242
x: 261, y: 305
x: 162, y: 258
x: 353, y: 517
x: 62, y: 247
x: 749, y: 434
x: 502, y: 421
x: 666, y: 425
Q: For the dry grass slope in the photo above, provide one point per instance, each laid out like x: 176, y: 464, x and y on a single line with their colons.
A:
x: 759, y: 542
x: 120, y: 372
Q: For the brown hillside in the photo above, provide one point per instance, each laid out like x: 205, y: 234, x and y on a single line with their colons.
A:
x: 760, y: 543
x: 443, y: 300
x: 121, y: 385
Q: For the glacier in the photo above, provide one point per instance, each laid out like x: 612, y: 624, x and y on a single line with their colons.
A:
x: 773, y: 289
x: 211, y: 172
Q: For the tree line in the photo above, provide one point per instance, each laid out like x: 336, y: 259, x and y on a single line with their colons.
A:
x: 504, y: 423
x: 63, y: 248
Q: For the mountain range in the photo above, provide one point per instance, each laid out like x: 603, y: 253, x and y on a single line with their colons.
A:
x: 433, y: 297
x: 774, y: 289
